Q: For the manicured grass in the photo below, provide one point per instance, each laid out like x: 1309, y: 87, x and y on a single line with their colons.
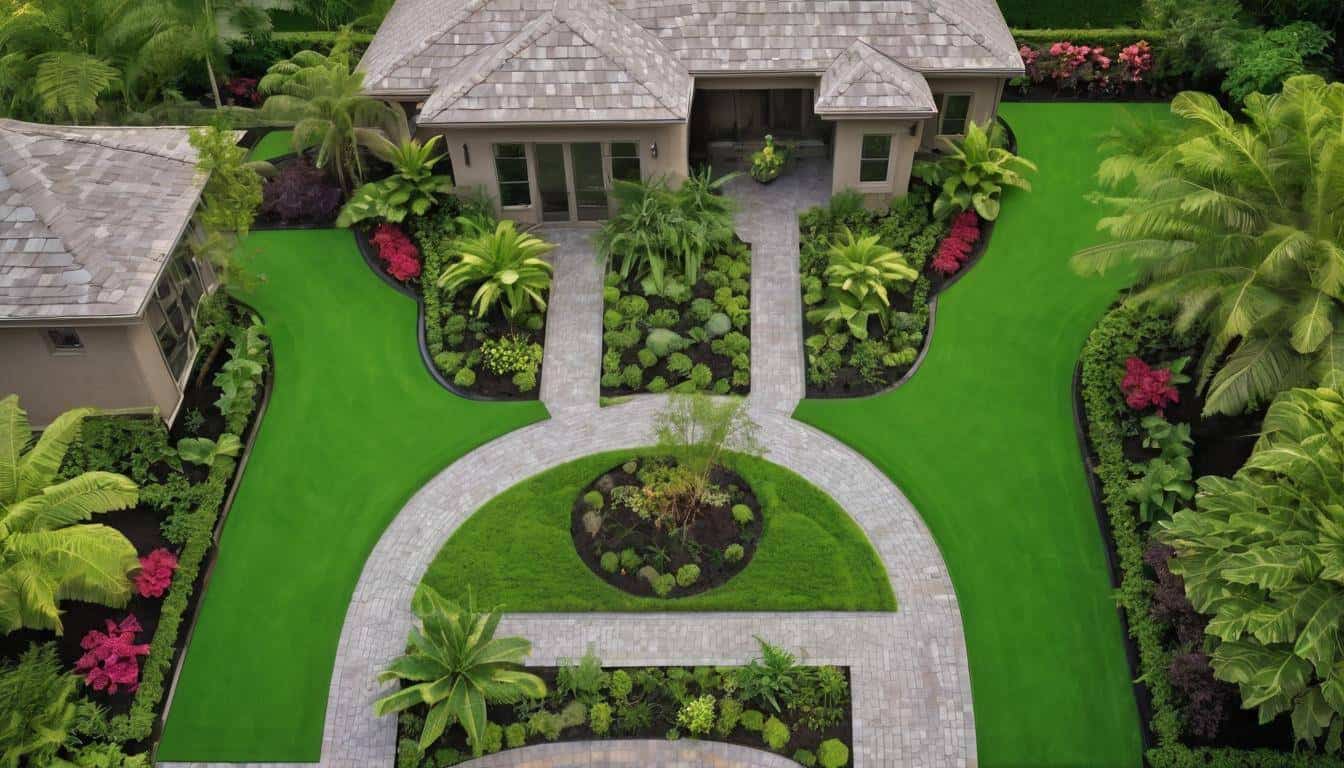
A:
x: 516, y: 551
x: 1065, y: 14
x: 982, y: 441
x: 273, y: 145
x: 354, y: 427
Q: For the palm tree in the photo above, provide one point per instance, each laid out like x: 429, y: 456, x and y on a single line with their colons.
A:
x: 325, y: 98
x: 67, y: 54
x: 1239, y: 228
x: 214, y: 27
x: 507, y: 264
x: 45, y: 557
x: 456, y: 666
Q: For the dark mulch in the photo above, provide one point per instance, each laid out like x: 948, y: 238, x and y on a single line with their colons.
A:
x: 1048, y: 92
x: 847, y: 381
x: 712, y: 532
x: 665, y: 716
x: 495, y: 386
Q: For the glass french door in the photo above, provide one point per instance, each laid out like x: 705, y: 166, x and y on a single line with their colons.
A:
x: 552, y: 182
x: 590, y: 185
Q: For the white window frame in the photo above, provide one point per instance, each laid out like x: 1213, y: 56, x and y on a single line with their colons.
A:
x: 885, y: 182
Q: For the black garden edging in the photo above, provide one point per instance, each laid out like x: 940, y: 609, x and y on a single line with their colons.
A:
x: 367, y: 251
x: 981, y: 247
x: 212, y: 555
x: 1143, y: 699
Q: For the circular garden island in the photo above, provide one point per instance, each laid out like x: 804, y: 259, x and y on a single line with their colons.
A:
x: 614, y: 532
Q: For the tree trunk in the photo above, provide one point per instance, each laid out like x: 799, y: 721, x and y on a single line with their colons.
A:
x: 214, y: 84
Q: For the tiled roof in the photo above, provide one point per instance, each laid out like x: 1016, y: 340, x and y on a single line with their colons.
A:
x: 422, y: 42
x: 89, y: 216
x: 580, y: 61
x: 863, y: 80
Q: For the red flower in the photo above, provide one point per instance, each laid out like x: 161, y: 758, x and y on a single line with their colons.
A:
x: 112, y: 658
x: 1145, y: 386
x: 156, y: 573
x: 956, y: 247
x: 399, y: 255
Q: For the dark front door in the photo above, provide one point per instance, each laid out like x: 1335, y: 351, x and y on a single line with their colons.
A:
x: 590, y: 187
x: 552, y: 183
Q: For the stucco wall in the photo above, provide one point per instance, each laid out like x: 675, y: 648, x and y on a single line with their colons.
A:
x: 985, y: 93
x: 119, y: 367
x: 472, y: 153
x: 848, y: 143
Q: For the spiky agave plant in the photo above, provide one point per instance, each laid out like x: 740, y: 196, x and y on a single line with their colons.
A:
x: 508, y: 267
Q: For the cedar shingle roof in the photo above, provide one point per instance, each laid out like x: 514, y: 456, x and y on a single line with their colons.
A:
x: 89, y: 216
x: 422, y: 43
x: 866, y: 81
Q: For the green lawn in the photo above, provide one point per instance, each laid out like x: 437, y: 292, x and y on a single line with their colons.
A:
x: 516, y: 551
x: 355, y: 426
x: 273, y: 145
x: 982, y: 441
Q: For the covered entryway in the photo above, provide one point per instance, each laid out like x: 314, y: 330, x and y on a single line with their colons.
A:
x: 728, y: 124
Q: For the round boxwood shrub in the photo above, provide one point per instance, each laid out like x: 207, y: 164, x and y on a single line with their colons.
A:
x: 599, y: 718
x: 805, y: 758
x: 594, y: 499
x: 732, y: 553
x: 718, y: 324
x: 743, y: 514
x: 752, y: 720
x: 688, y: 574
x: 515, y: 735
x: 620, y: 684
x: 775, y: 733
x: 465, y: 378
x: 833, y: 754
x: 611, y: 562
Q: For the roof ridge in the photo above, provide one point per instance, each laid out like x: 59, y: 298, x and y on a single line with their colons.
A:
x: 477, y: 67
x: 568, y: 12
x: 962, y: 23
x: 464, y: 12
x: 73, y: 134
x: 34, y: 193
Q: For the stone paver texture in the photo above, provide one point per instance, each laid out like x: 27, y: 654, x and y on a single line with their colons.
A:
x: 910, y: 680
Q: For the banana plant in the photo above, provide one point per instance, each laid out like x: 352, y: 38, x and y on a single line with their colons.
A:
x: 974, y: 173
x: 413, y: 187
x: 204, y: 451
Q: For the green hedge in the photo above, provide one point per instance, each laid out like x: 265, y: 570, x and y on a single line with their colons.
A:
x: 138, y: 723
x: 1054, y: 13
x: 1110, y: 37
x: 1123, y: 332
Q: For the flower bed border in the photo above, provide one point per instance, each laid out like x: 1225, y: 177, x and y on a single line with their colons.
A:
x: 161, y: 669
x: 370, y: 256
x: 1102, y: 453
x: 978, y: 251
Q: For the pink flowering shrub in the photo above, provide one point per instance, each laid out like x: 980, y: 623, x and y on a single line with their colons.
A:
x: 1073, y: 67
x: 156, y: 573
x: 1145, y: 386
x: 956, y: 247
x: 1136, y: 61
x: 111, y: 659
x: 399, y: 255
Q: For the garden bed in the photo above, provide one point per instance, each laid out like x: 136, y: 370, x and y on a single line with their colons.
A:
x: 649, y: 710
x: 179, y: 505
x: 620, y: 542
x: 517, y: 550
x: 1192, y: 717
x: 695, y: 339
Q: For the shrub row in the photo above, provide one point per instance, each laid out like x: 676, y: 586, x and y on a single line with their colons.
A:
x: 1112, y: 39
x: 1122, y: 333
x: 138, y: 723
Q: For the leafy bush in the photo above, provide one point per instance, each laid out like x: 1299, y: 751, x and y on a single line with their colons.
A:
x: 111, y: 658
x: 775, y: 734
x: 697, y: 715
x: 733, y: 553
x: 511, y: 353
x: 599, y: 718
x: 769, y: 678
x: 156, y: 573
x: 1270, y: 57
x: 412, y: 188
x: 399, y: 255
x: 767, y: 162
x: 37, y: 699
x: 956, y: 247
x: 805, y: 758
x: 611, y: 562
x: 743, y: 514
x: 833, y: 754
x: 973, y: 173
x: 752, y: 720
x: 506, y: 266
x: 515, y: 735
x: 620, y: 685
x: 687, y: 575
x: 300, y: 193
x: 655, y: 228
x: 730, y: 711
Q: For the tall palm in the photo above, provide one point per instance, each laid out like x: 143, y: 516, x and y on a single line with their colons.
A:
x: 508, y: 266
x: 324, y: 96
x: 45, y: 555
x: 68, y: 54
x: 214, y: 27
x: 1239, y: 227
x: 455, y: 665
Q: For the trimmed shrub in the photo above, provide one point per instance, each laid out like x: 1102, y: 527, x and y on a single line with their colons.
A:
x: 599, y: 718
x: 775, y: 734
x: 743, y: 514
x: 687, y: 575
x: 733, y: 553
x: 611, y: 562
x: 833, y: 754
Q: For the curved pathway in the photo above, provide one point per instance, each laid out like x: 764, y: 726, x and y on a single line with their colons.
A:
x: 910, y: 680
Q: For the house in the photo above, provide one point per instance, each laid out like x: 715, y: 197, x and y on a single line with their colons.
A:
x: 542, y: 103
x: 97, y: 288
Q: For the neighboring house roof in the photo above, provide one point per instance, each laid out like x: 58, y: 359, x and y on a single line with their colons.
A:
x: 866, y: 81
x: 579, y: 61
x: 422, y: 43
x: 89, y: 216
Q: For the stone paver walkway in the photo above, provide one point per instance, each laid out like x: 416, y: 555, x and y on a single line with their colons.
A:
x: 910, y: 680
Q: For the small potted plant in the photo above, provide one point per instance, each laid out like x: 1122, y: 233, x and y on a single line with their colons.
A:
x: 768, y: 163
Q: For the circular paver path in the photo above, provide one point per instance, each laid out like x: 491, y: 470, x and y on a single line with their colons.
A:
x: 910, y: 681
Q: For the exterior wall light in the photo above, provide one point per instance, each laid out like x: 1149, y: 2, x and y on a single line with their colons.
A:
x: 466, y: 155
x: 653, y: 149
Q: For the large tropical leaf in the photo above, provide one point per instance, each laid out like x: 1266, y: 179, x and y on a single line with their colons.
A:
x: 40, y: 465
x: 73, y: 501
x: 69, y: 83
